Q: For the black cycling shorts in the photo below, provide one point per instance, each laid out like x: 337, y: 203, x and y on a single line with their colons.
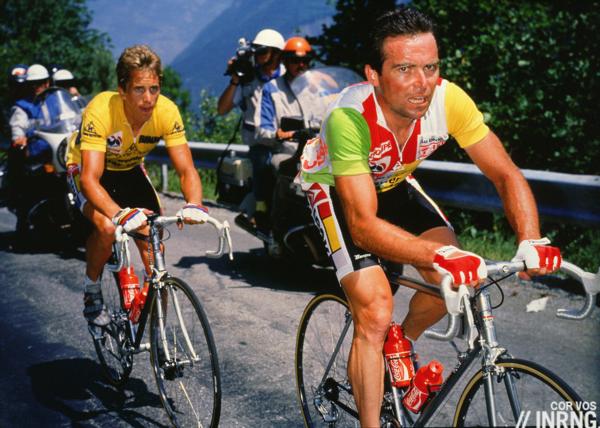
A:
x: 131, y: 188
x: 406, y: 206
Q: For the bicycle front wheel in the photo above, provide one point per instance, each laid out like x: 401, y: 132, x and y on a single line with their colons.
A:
x: 184, y: 357
x: 322, y: 347
x: 523, y: 392
x: 112, y: 341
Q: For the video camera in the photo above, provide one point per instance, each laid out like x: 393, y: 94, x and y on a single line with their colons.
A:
x: 243, y: 63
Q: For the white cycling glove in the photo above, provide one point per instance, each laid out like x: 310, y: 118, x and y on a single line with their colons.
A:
x: 129, y: 218
x: 463, y: 266
x: 193, y: 213
x: 537, y: 254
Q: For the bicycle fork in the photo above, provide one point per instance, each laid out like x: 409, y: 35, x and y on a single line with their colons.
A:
x: 160, y: 268
x: 492, y: 351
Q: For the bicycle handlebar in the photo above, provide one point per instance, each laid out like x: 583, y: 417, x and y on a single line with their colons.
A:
x: 457, y: 299
x: 121, y: 244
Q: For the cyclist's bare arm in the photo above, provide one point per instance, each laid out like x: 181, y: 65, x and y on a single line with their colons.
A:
x: 371, y: 233
x: 519, y: 204
x: 191, y: 186
x: 516, y: 195
x: 92, y: 168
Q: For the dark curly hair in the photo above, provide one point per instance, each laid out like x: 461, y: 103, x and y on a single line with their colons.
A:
x: 399, y: 22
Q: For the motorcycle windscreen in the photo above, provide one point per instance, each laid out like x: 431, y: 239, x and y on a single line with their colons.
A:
x: 315, y: 89
x: 59, y: 114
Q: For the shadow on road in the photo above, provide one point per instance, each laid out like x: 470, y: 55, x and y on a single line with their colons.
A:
x: 40, y: 245
x: 76, y: 388
x: 260, y: 270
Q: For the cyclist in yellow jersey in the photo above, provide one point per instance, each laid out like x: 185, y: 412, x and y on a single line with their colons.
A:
x: 105, y: 164
x: 357, y: 178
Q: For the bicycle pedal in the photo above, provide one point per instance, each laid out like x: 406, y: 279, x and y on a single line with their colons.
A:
x: 96, y: 332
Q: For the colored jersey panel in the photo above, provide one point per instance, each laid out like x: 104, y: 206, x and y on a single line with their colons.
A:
x: 355, y: 133
x: 105, y: 128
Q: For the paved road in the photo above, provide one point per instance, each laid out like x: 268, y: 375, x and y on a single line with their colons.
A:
x: 50, y: 376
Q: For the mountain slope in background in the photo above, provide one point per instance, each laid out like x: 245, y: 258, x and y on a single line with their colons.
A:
x: 203, y: 62
x: 168, y: 27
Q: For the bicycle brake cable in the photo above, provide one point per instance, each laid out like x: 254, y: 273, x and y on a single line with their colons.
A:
x: 496, y: 283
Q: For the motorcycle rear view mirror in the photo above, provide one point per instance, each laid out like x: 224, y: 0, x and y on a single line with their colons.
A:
x: 290, y: 123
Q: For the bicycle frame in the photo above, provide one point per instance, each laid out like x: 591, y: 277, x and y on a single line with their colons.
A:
x: 479, y: 332
x: 159, y: 272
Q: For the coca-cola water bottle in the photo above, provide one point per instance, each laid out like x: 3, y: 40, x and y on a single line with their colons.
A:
x: 130, y: 285
x: 138, y: 304
x: 399, y: 356
x: 427, y: 380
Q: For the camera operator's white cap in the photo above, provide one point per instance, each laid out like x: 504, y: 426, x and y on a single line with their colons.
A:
x: 271, y: 38
x: 62, y: 74
x: 37, y: 72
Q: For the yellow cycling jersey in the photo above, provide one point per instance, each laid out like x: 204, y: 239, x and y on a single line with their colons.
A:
x: 104, y: 128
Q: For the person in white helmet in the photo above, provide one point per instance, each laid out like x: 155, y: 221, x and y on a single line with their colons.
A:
x: 25, y: 112
x: 246, y: 94
x: 63, y: 78
x: 25, y: 148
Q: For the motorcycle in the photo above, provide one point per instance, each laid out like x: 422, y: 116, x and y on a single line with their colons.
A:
x: 40, y: 196
x: 293, y: 233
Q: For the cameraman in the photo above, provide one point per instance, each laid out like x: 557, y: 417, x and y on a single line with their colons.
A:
x: 245, y: 92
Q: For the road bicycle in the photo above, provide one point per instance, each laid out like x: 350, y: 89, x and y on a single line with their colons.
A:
x: 183, y: 355
x: 504, y: 391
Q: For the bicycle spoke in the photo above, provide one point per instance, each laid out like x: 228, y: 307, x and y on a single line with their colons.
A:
x: 521, y: 390
x: 184, y: 358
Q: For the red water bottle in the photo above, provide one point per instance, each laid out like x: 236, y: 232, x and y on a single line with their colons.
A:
x: 130, y: 284
x: 399, y: 356
x: 138, y: 304
x: 427, y: 380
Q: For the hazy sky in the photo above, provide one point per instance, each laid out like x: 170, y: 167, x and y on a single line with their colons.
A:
x: 166, y: 25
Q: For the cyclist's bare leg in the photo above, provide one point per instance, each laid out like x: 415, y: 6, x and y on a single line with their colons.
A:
x: 424, y: 309
x: 370, y: 300
x: 99, y: 243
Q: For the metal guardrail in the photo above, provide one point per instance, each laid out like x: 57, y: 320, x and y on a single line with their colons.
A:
x: 571, y: 198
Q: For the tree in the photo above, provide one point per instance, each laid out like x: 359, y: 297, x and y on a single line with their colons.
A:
x: 345, y: 42
x: 54, y: 32
x: 171, y: 87
x: 531, y: 67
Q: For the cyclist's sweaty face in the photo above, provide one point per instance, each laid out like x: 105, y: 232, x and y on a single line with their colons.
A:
x: 140, y: 96
x: 409, y: 74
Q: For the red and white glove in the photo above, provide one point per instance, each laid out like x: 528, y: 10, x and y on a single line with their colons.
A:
x: 538, y: 255
x: 130, y: 218
x: 463, y: 266
x: 193, y: 213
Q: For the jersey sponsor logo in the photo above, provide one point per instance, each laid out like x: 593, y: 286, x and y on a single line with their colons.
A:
x: 90, y: 130
x: 380, y: 150
x: 429, y: 144
x: 379, y: 166
x: 314, y: 156
x: 177, y: 127
x: 148, y: 139
x: 114, y: 142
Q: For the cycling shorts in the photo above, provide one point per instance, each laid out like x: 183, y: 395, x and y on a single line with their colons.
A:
x: 406, y: 206
x: 131, y: 188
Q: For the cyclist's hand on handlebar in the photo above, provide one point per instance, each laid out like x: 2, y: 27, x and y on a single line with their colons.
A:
x: 130, y: 218
x: 464, y: 267
x: 539, y: 257
x: 193, y: 213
